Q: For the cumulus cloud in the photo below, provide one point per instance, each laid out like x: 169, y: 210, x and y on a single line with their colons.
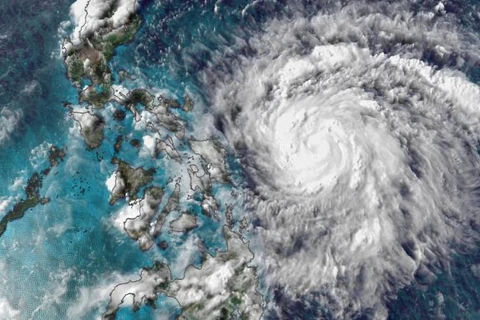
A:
x: 90, y: 15
x: 95, y: 297
x: 39, y: 155
x: 360, y: 153
x: 9, y: 120
x: 8, y: 312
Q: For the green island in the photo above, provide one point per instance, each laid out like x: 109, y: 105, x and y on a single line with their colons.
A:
x: 129, y: 180
x: 89, y: 60
x: 137, y: 228
x: 223, y: 286
x: 32, y: 191
x: 88, y: 68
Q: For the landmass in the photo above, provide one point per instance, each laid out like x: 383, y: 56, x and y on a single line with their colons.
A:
x: 118, y: 143
x: 32, y: 190
x: 143, y: 291
x: 167, y: 147
x: 87, y: 54
x: 214, y: 156
x: 128, y: 180
x: 199, y: 181
x: 138, y: 227
x: 87, y: 58
x: 185, y: 223
x: 188, y: 104
x: 91, y: 126
x: 172, y: 205
x: 224, y: 287
x: 158, y: 106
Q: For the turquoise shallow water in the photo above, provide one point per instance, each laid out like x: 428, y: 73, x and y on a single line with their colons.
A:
x: 57, y: 250
x: 31, y: 82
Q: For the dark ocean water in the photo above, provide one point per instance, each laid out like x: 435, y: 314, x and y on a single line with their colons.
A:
x: 455, y: 292
x: 176, y: 41
x: 31, y: 80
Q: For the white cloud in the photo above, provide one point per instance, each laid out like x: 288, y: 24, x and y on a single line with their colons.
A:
x: 39, y: 155
x: 9, y: 120
x: 89, y: 15
x: 219, y: 279
x: 8, y: 312
x: 96, y: 297
x: 358, y: 149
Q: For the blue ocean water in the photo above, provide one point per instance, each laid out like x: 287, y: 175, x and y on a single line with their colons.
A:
x: 31, y: 80
x: 458, y: 286
x: 67, y: 245
x: 57, y: 248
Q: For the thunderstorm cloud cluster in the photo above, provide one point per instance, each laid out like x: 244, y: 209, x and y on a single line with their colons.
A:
x: 357, y: 130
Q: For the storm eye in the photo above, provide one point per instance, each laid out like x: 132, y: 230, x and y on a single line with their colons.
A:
x: 352, y: 133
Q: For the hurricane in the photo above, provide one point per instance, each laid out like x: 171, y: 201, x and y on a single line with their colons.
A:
x: 247, y: 159
x: 357, y: 131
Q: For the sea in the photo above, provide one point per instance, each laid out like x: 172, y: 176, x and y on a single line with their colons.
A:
x: 62, y: 259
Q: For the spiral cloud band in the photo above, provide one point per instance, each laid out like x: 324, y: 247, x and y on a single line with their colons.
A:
x: 359, y: 135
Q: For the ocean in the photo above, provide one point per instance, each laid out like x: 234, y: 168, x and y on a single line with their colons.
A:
x: 63, y: 259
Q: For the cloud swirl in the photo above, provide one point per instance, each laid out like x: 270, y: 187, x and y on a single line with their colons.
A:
x: 359, y: 135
